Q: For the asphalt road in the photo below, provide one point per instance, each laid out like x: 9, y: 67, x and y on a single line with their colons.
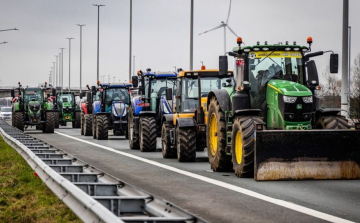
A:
x: 195, y: 188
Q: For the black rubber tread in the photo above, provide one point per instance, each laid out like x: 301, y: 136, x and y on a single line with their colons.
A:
x: 82, y: 121
x: 186, y: 144
x: 247, y: 126
x: 57, y: 120
x: 336, y: 122
x: 50, y: 122
x: 168, y: 151
x: 77, y: 119
x: 18, y: 120
x: 221, y: 161
x: 133, y: 138
x: 102, y: 131
x: 93, y: 129
x: 88, y: 125
x: 147, y: 134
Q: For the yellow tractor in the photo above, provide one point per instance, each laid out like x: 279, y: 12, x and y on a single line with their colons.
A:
x: 184, y: 132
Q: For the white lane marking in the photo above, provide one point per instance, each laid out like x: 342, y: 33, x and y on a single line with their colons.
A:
x: 285, y: 204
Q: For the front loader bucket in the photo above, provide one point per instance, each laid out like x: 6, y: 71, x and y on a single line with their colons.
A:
x: 307, y: 154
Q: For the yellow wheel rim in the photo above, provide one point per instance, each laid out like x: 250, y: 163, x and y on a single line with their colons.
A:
x: 238, y: 147
x: 213, y: 138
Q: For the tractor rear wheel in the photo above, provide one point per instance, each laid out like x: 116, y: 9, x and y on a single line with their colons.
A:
x: 186, y: 144
x: 88, y: 125
x: 94, y: 126
x: 50, y: 122
x: 82, y: 123
x: 216, y: 138
x: 133, y: 137
x: 167, y: 149
x: 332, y: 122
x: 147, y: 134
x: 77, y: 119
x: 19, y: 120
x: 243, y: 144
x: 102, y: 127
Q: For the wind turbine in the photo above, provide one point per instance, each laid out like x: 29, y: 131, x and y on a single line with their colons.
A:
x: 223, y: 25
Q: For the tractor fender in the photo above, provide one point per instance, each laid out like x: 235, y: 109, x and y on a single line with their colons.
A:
x: 327, y: 112
x: 147, y: 113
x: 134, y: 103
x: 223, y: 98
x: 248, y: 112
x: 84, y: 108
x: 16, y: 106
x: 167, y: 118
x: 96, y: 107
x: 186, y: 122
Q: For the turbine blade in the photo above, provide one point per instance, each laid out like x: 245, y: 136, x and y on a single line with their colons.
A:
x: 227, y: 20
x: 217, y: 27
x: 231, y: 30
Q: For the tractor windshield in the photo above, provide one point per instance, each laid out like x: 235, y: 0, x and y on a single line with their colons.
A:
x: 117, y: 94
x: 190, y: 90
x: 266, y: 65
x: 157, y: 87
x: 65, y: 98
x: 33, y: 95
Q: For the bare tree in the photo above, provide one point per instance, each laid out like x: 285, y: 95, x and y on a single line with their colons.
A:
x: 355, y: 90
x: 331, y: 89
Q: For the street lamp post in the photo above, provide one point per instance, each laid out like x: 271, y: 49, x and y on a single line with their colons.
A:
x: 8, y: 29
x: 3, y: 42
x: 62, y: 68
x: 52, y: 73
x: 97, y: 76
x: 69, y: 58
x: 349, y: 108
x: 56, y: 72
x: 80, y: 25
x: 109, y: 78
x: 130, y: 44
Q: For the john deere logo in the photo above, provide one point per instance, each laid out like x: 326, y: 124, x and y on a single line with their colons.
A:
x: 299, y: 106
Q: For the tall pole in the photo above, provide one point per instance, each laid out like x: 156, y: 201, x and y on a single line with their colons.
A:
x: 133, y: 67
x: 53, y: 73
x: 349, y: 96
x: 130, y: 44
x: 80, y: 25
x: 98, y: 39
x: 69, y: 58
x: 345, y: 59
x: 56, y: 72
x: 62, y: 68
x: 50, y: 76
x: 191, y: 34
x: 58, y: 80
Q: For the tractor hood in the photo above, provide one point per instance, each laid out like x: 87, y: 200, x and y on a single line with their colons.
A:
x: 34, y: 106
x: 289, y: 88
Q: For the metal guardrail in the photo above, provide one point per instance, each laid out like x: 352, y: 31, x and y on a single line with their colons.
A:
x: 91, y: 194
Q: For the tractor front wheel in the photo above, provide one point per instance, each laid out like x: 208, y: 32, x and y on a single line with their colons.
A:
x: 88, y: 125
x: 94, y: 126
x: 133, y: 137
x: 216, y: 138
x: 50, y: 122
x: 82, y: 123
x: 332, y: 122
x: 57, y: 120
x: 243, y: 144
x: 102, y: 127
x: 18, y: 120
x: 147, y: 134
x: 77, y: 120
x: 186, y: 144
x: 167, y: 149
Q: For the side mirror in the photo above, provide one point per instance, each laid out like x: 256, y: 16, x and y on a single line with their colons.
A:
x: 53, y: 92
x: 135, y: 81
x: 93, y: 90
x: 13, y: 93
x: 88, y: 98
x: 334, y: 63
x: 313, y: 78
x: 223, y: 65
x: 169, y: 94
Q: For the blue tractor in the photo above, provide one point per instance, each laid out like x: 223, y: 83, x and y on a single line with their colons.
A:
x: 110, y: 110
x: 147, y: 109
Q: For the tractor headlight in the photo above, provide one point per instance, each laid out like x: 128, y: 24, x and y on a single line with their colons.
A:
x: 288, y: 99
x: 308, y: 99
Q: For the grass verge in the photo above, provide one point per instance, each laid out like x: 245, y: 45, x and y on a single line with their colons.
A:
x: 24, y: 197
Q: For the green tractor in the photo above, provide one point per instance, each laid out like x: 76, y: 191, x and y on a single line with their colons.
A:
x: 68, y: 109
x: 272, y: 126
x: 32, y: 108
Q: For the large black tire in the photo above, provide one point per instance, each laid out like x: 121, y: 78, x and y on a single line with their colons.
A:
x: 77, y: 119
x: 332, y: 122
x: 82, y: 123
x: 102, y: 127
x: 88, y: 125
x: 147, y: 134
x: 168, y: 151
x: 133, y: 137
x: 243, y: 144
x: 186, y: 144
x: 216, y: 138
x: 50, y: 122
x: 94, y: 126
x: 57, y: 120
x: 18, y: 120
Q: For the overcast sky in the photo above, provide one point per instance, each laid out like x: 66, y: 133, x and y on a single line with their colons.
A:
x: 160, y: 33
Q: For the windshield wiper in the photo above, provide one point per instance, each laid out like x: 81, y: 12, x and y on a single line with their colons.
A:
x: 265, y: 58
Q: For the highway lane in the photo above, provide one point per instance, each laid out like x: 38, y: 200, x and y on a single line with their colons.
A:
x: 208, y: 201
